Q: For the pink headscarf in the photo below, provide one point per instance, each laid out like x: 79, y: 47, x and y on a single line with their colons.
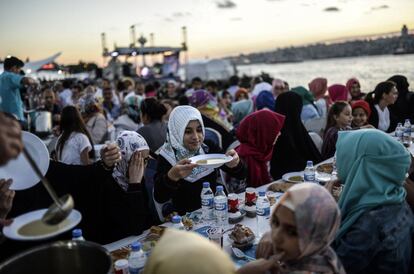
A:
x: 318, y: 87
x: 338, y: 92
x: 351, y: 82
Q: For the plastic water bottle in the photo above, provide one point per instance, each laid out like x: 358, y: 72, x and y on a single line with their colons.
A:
x: 399, y: 131
x: 220, y: 207
x: 177, y: 223
x: 77, y: 235
x: 309, y: 174
x: 262, y: 214
x: 207, y: 202
x: 136, y: 258
x: 407, y: 132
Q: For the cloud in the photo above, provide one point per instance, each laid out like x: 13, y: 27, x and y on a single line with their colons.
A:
x: 181, y: 14
x: 226, y: 4
x: 331, y: 9
x: 382, y: 7
x: 236, y: 19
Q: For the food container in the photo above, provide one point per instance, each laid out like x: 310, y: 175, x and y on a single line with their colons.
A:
x: 64, y: 257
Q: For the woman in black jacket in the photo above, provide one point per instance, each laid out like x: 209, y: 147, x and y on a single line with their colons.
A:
x: 179, y: 180
x: 384, y: 95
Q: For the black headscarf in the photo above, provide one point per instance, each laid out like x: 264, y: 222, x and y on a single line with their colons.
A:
x: 403, y: 108
x: 294, y: 146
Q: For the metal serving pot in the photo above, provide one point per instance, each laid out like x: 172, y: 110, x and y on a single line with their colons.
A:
x: 64, y: 257
x: 43, y: 122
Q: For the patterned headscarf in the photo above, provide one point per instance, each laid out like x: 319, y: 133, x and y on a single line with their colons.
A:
x: 128, y: 142
x: 317, y: 220
x: 318, y: 87
x: 338, y: 92
x: 173, y: 149
x: 201, y: 98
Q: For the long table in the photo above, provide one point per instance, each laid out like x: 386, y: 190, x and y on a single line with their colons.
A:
x: 249, y: 222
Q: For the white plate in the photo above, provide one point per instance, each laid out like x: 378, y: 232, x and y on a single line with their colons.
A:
x: 12, y: 231
x: 19, y: 169
x: 221, y: 160
x: 290, y: 174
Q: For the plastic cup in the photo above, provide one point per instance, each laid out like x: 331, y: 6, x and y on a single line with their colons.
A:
x: 215, y: 234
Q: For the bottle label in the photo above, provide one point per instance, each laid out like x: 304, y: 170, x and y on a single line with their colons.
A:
x: 207, y: 202
x: 263, y: 211
x: 221, y: 206
x: 309, y: 177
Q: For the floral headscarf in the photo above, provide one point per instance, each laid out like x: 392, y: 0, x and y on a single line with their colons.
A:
x: 128, y: 142
x: 173, y: 149
x: 317, y: 220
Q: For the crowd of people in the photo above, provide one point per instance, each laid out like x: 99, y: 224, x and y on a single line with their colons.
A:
x: 151, y: 129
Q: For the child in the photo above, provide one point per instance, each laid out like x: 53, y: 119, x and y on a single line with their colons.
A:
x: 303, y: 225
x: 360, y: 112
x: 339, y: 118
x: 74, y: 145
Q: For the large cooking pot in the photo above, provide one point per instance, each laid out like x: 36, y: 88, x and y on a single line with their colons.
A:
x: 43, y: 122
x: 64, y: 257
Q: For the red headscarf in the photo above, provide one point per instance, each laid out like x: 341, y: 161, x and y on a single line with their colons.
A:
x: 338, y: 92
x: 362, y: 104
x: 351, y: 82
x: 318, y: 87
x: 257, y: 133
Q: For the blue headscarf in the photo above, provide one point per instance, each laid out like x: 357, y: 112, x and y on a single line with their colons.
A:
x: 372, y: 165
x: 265, y: 99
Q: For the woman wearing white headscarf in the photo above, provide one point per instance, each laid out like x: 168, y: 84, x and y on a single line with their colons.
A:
x: 179, y: 180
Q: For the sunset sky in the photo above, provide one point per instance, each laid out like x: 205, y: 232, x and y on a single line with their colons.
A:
x: 40, y: 28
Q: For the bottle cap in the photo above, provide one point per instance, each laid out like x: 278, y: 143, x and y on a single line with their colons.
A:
x: 135, y: 246
x: 77, y: 233
x: 206, y: 185
x: 121, y: 264
x: 309, y: 163
x: 219, y: 188
x: 262, y: 193
x: 176, y: 219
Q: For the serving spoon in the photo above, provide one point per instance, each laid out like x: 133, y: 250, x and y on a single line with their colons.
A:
x: 61, y: 207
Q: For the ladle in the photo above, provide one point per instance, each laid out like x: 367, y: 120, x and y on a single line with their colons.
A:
x: 61, y: 207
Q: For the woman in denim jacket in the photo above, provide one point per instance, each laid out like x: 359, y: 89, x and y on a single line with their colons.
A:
x: 377, y: 223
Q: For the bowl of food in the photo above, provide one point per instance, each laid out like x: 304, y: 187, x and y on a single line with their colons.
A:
x: 293, y: 177
x: 325, y: 168
x: 241, y: 237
